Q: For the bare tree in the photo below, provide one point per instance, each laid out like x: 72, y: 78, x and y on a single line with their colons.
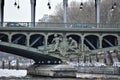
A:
x: 87, y: 14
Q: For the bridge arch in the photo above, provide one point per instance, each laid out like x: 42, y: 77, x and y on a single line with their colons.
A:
x: 37, y: 40
x: 4, y: 33
x: 4, y: 37
x: 98, y: 35
x: 43, y: 34
x: 78, y: 34
x: 116, y: 35
x: 109, y: 41
x: 19, y: 39
x: 22, y: 33
x: 91, y: 41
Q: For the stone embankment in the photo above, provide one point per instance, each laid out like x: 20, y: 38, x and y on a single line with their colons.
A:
x: 99, y: 70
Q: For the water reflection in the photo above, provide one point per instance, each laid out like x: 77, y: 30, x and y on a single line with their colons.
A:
x: 48, y: 78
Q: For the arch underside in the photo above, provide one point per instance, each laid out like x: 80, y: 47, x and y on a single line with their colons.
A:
x: 36, y: 40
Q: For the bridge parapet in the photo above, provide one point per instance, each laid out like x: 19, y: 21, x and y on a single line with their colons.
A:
x: 60, y: 25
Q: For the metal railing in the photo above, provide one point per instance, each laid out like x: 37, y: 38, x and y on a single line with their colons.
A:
x: 60, y: 25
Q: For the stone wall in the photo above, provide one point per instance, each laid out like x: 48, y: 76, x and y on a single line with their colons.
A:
x: 100, y: 70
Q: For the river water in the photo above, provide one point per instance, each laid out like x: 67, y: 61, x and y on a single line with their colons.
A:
x: 6, y: 74
x: 47, y: 78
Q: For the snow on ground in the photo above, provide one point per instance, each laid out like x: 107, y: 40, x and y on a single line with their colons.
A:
x: 12, y: 73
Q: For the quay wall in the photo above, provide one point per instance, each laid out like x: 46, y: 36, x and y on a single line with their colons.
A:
x: 99, y: 70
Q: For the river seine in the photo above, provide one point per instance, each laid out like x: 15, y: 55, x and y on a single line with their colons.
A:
x: 47, y: 78
x: 6, y: 74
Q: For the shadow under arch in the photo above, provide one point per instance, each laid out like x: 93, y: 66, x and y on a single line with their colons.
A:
x: 92, y: 42
x: 19, y: 39
x: 4, y: 37
x: 109, y: 41
x: 37, y: 40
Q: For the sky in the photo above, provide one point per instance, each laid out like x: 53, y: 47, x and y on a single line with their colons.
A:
x: 12, y: 14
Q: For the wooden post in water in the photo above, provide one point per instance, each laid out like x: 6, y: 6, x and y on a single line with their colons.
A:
x: 17, y: 64
x: 97, y: 59
x: 90, y: 59
x: 84, y: 58
x: 9, y: 65
x: 117, y: 55
x: 104, y: 59
x: 3, y: 64
x: 110, y: 58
